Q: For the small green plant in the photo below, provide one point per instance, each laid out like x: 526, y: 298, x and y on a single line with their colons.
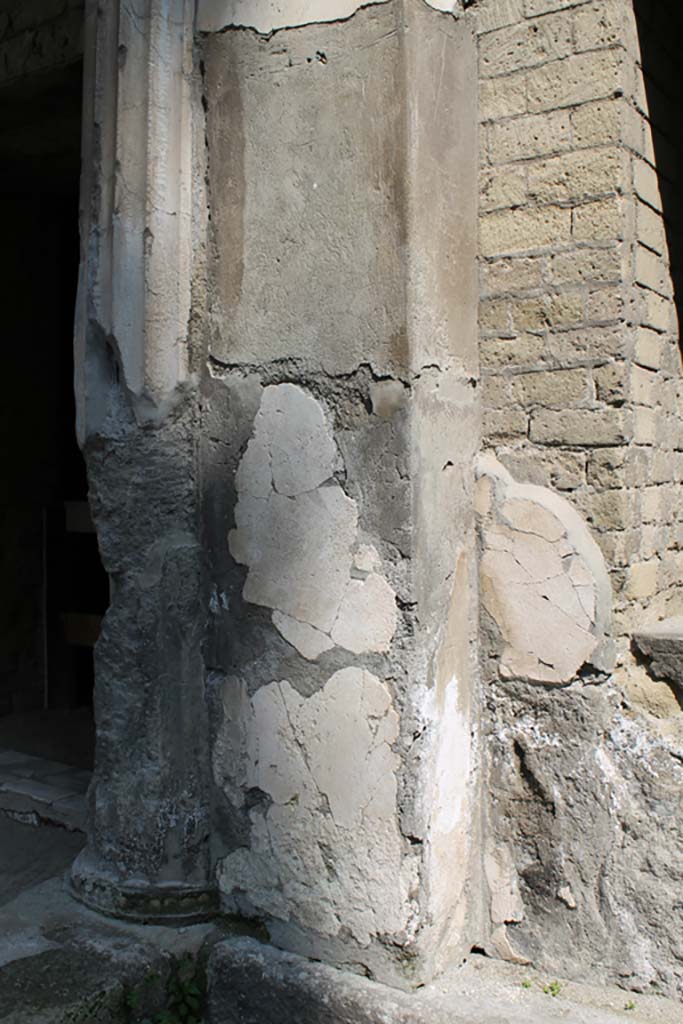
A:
x: 526, y: 983
x: 630, y: 1005
x: 553, y: 988
x: 184, y: 996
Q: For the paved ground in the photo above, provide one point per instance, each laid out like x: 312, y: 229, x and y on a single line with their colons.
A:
x: 35, y: 790
x: 29, y: 855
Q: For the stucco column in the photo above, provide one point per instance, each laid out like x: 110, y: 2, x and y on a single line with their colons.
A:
x: 341, y: 425
x: 147, y: 855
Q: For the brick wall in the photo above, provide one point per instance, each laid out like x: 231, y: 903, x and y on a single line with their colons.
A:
x: 579, y: 344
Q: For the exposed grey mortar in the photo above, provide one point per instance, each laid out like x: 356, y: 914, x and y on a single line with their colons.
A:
x: 580, y: 783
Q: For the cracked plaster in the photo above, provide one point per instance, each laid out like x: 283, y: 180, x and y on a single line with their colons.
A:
x: 326, y: 850
x: 270, y: 15
x: 297, y: 531
x: 543, y: 580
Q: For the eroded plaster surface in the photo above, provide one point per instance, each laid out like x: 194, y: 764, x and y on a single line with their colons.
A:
x: 324, y: 838
x: 269, y: 15
x: 543, y: 580
x: 297, y: 531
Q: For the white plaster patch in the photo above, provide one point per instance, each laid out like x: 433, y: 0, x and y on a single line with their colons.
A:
x: 529, y: 517
x: 269, y: 15
x: 452, y: 762
x: 291, y: 451
x: 308, y: 640
x: 298, y: 551
x: 327, y: 851
x: 366, y: 558
x: 367, y: 616
x: 447, y: 6
x: 543, y: 581
x: 297, y: 531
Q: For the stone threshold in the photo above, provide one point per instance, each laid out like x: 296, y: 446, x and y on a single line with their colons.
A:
x: 252, y: 983
x: 36, y: 791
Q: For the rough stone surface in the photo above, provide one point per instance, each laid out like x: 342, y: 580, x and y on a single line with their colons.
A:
x: 581, y: 781
x: 253, y: 984
x: 662, y: 645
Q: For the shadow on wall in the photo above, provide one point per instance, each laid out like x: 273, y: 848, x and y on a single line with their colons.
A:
x: 660, y: 28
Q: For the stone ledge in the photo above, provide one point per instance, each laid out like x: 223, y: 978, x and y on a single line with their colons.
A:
x: 37, y: 791
x: 662, y: 645
x: 252, y: 983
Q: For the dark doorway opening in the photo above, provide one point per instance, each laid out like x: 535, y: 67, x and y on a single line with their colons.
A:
x: 659, y: 31
x: 53, y: 589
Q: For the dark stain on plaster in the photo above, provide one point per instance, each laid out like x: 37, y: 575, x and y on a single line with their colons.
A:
x: 227, y: 187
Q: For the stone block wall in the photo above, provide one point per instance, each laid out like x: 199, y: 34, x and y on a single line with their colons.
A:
x: 579, y: 343
x: 657, y: 388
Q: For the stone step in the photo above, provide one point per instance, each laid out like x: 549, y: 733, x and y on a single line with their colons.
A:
x: 251, y: 983
x: 35, y: 791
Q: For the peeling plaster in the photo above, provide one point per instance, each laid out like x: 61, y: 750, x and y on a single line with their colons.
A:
x: 309, y: 641
x: 270, y: 15
x: 446, y: 6
x: 297, y: 531
x: 543, y: 580
x: 327, y: 850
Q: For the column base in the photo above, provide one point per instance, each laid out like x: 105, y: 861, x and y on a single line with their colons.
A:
x: 168, y: 903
